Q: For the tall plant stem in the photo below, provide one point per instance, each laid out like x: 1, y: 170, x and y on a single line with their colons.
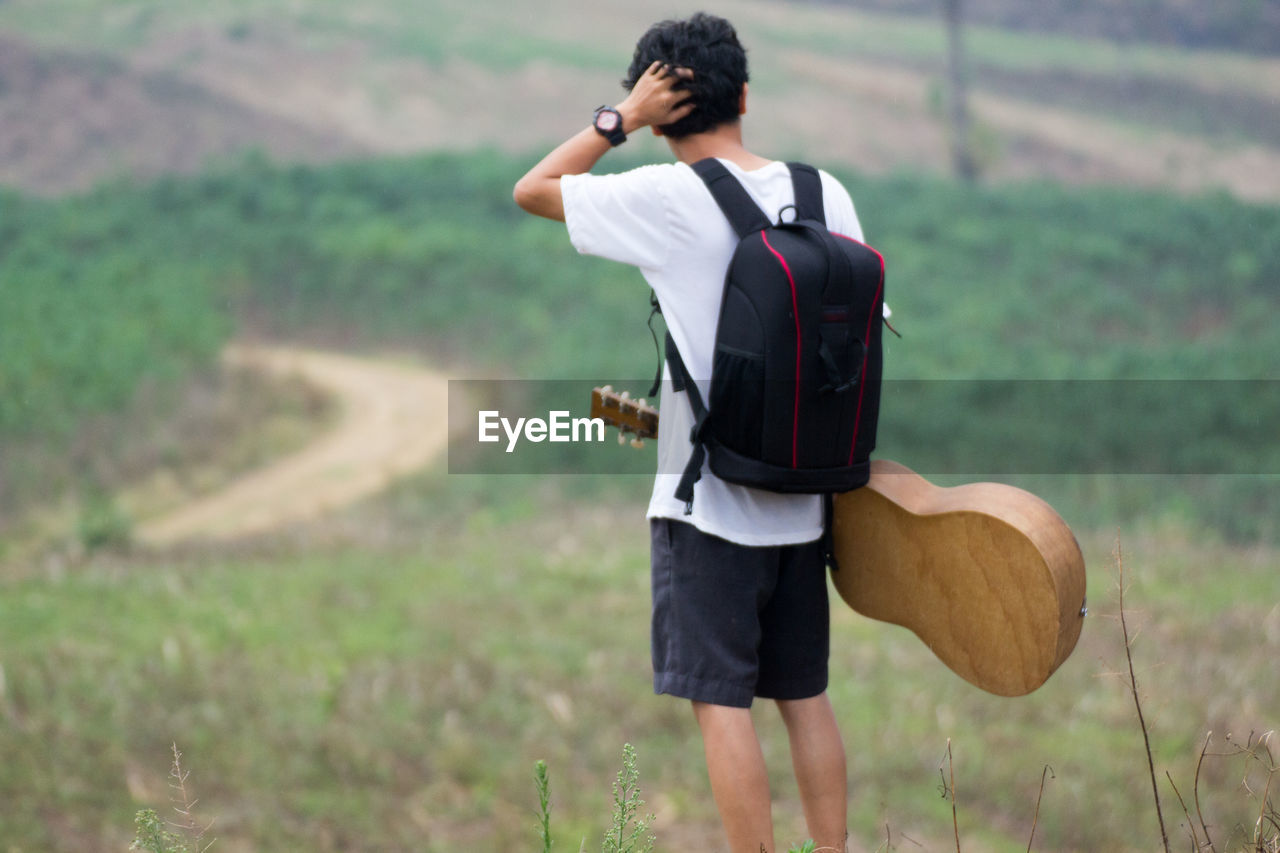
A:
x: 1137, y: 702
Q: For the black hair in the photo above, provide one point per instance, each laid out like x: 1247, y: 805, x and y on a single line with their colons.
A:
x: 709, y: 46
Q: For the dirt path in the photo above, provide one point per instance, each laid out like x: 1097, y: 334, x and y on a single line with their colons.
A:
x: 393, y: 422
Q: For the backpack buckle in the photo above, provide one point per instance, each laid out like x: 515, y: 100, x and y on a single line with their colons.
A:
x: 841, y: 388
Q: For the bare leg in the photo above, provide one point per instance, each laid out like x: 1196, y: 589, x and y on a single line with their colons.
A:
x: 739, y: 780
x: 817, y: 754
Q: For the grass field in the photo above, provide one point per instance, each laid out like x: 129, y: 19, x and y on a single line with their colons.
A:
x: 390, y: 684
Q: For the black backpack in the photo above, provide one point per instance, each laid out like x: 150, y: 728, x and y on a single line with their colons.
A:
x: 795, y: 382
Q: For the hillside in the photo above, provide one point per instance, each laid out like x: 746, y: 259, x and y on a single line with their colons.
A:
x: 151, y: 87
x: 69, y: 119
x: 1252, y: 25
x: 1045, y: 282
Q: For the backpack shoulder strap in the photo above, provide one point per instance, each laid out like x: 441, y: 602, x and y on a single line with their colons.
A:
x: 682, y: 381
x: 808, y: 187
x: 743, y: 213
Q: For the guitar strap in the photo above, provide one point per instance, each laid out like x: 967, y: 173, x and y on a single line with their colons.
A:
x: 655, y: 310
x: 828, y: 534
x: 682, y: 381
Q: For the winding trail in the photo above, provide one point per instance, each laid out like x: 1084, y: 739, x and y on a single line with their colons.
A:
x: 393, y: 422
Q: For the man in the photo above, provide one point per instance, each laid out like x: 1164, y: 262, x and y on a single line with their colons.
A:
x: 739, y: 585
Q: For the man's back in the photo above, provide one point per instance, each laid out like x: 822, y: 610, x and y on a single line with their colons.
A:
x: 663, y: 220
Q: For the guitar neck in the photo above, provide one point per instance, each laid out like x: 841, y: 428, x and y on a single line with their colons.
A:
x: 620, y: 410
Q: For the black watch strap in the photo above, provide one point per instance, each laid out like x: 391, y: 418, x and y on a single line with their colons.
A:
x: 608, y: 123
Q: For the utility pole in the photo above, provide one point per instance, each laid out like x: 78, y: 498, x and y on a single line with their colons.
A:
x: 966, y: 168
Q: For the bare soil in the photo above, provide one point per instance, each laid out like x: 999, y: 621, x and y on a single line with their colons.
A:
x: 393, y: 423
x: 179, y: 101
x: 70, y: 120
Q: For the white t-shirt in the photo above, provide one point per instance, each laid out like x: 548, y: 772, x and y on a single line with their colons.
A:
x: 663, y: 220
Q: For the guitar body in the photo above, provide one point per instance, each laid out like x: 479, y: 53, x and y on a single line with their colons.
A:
x: 986, y: 574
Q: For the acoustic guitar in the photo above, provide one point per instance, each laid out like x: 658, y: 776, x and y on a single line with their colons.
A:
x: 635, y: 417
x: 988, y: 575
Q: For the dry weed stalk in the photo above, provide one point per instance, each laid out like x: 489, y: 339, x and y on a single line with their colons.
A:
x: 1264, y: 836
x: 888, y: 847
x: 1266, y: 829
x: 1137, y: 701
x: 1035, y: 820
x: 1195, y: 793
x: 184, y: 804
x: 1191, y: 827
x: 948, y: 789
x: 1257, y: 753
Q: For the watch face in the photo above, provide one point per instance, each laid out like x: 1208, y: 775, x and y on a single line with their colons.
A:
x: 606, y: 120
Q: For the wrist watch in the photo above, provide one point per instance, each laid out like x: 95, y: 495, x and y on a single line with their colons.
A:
x: 608, y: 123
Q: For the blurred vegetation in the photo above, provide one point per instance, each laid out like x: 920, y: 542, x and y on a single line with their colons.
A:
x: 1249, y: 25
x: 95, y: 299
x: 131, y: 286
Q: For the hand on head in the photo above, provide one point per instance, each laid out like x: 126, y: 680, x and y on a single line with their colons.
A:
x: 657, y: 98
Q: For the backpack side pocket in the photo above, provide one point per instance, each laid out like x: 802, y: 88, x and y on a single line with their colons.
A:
x: 737, y: 399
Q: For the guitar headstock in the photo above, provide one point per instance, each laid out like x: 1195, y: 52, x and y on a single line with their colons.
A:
x: 628, y: 415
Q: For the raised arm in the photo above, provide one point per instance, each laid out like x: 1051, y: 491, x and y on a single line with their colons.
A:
x: 654, y: 101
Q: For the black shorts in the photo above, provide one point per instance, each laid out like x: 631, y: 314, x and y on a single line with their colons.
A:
x: 732, y: 622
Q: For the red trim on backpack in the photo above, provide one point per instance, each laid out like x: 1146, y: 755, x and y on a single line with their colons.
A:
x: 795, y: 312
x: 862, y: 384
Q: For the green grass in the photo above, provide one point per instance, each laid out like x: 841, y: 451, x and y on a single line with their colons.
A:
x: 396, y: 695
x: 133, y: 284
x: 92, y: 306
x: 1042, y: 281
x: 331, y: 680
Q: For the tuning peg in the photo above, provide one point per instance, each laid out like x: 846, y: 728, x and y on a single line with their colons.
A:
x: 641, y: 402
x: 622, y: 439
x: 626, y: 395
x: 608, y: 389
x: 637, y: 443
